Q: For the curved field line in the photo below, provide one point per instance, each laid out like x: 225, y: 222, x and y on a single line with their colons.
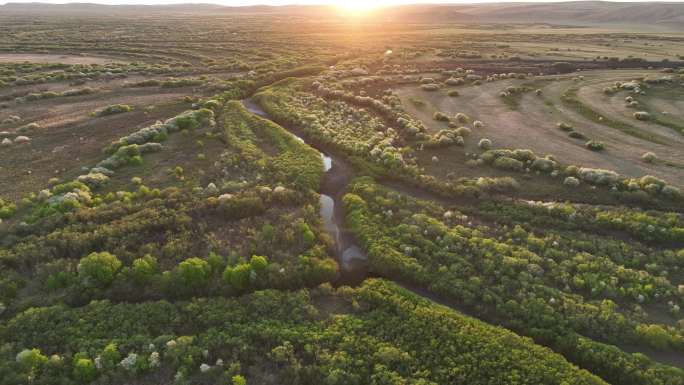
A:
x: 569, y: 98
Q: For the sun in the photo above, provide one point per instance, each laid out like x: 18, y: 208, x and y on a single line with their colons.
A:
x: 357, y: 6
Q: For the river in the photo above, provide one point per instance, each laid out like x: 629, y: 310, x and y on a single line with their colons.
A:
x: 351, y: 258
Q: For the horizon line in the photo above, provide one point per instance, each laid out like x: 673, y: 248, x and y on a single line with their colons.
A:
x: 276, y: 3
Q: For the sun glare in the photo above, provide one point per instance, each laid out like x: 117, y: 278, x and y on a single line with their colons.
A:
x: 357, y: 6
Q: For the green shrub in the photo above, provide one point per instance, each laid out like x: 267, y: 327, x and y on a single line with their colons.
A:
x: 114, y: 109
x: 7, y: 209
x: 595, y: 145
x: 462, y: 118
x: 571, y: 181
x: 649, y: 157
x: 84, y: 370
x: 485, y: 144
x: 642, y: 115
x: 430, y: 87
x: 576, y: 135
x: 440, y: 116
x: 507, y: 163
x: 565, y: 126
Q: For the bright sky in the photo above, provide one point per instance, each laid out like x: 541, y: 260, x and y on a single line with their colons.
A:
x: 365, y: 3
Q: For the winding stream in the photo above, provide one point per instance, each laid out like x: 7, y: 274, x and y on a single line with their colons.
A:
x: 351, y: 258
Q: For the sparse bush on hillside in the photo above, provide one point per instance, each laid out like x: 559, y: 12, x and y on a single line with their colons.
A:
x: 576, y: 135
x: 642, y: 115
x: 7, y: 209
x: 440, y: 116
x: 507, y: 163
x: 649, y: 157
x: 598, y: 176
x: 28, y: 128
x: 462, y: 131
x: 543, y: 164
x: 497, y: 185
x: 462, y: 118
x: 594, y: 145
x: 429, y: 87
x: 565, y: 126
x: 12, y: 119
x: 93, y: 179
x: 571, y: 181
x: 114, y: 109
x: 485, y: 144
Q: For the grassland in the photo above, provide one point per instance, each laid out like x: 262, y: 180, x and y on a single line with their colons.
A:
x: 256, y: 195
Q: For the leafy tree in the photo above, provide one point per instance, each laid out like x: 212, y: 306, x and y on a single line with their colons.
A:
x: 99, y: 269
x: 238, y: 277
x: 84, y: 370
x: 308, y: 237
x: 194, y: 273
x: 110, y: 356
x: 31, y: 359
x: 144, y: 268
x: 656, y: 335
x: 258, y: 263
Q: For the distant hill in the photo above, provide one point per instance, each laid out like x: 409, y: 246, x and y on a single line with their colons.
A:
x: 574, y: 12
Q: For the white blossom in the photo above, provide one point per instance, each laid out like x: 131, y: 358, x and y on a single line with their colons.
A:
x: 128, y: 363
x: 154, y: 360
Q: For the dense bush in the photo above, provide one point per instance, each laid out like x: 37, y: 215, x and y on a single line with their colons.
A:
x: 422, y: 245
x: 377, y: 332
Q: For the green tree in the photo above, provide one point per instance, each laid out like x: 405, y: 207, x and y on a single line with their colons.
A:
x: 194, y: 273
x: 308, y: 237
x: 144, y: 268
x: 655, y: 335
x: 31, y: 359
x: 110, y: 356
x: 239, y: 380
x: 238, y: 276
x: 84, y: 370
x: 98, y: 269
x: 258, y: 263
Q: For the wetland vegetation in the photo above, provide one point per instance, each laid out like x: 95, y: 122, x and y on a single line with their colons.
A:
x: 299, y: 195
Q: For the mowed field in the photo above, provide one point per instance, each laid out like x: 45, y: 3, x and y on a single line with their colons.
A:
x: 528, y: 120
